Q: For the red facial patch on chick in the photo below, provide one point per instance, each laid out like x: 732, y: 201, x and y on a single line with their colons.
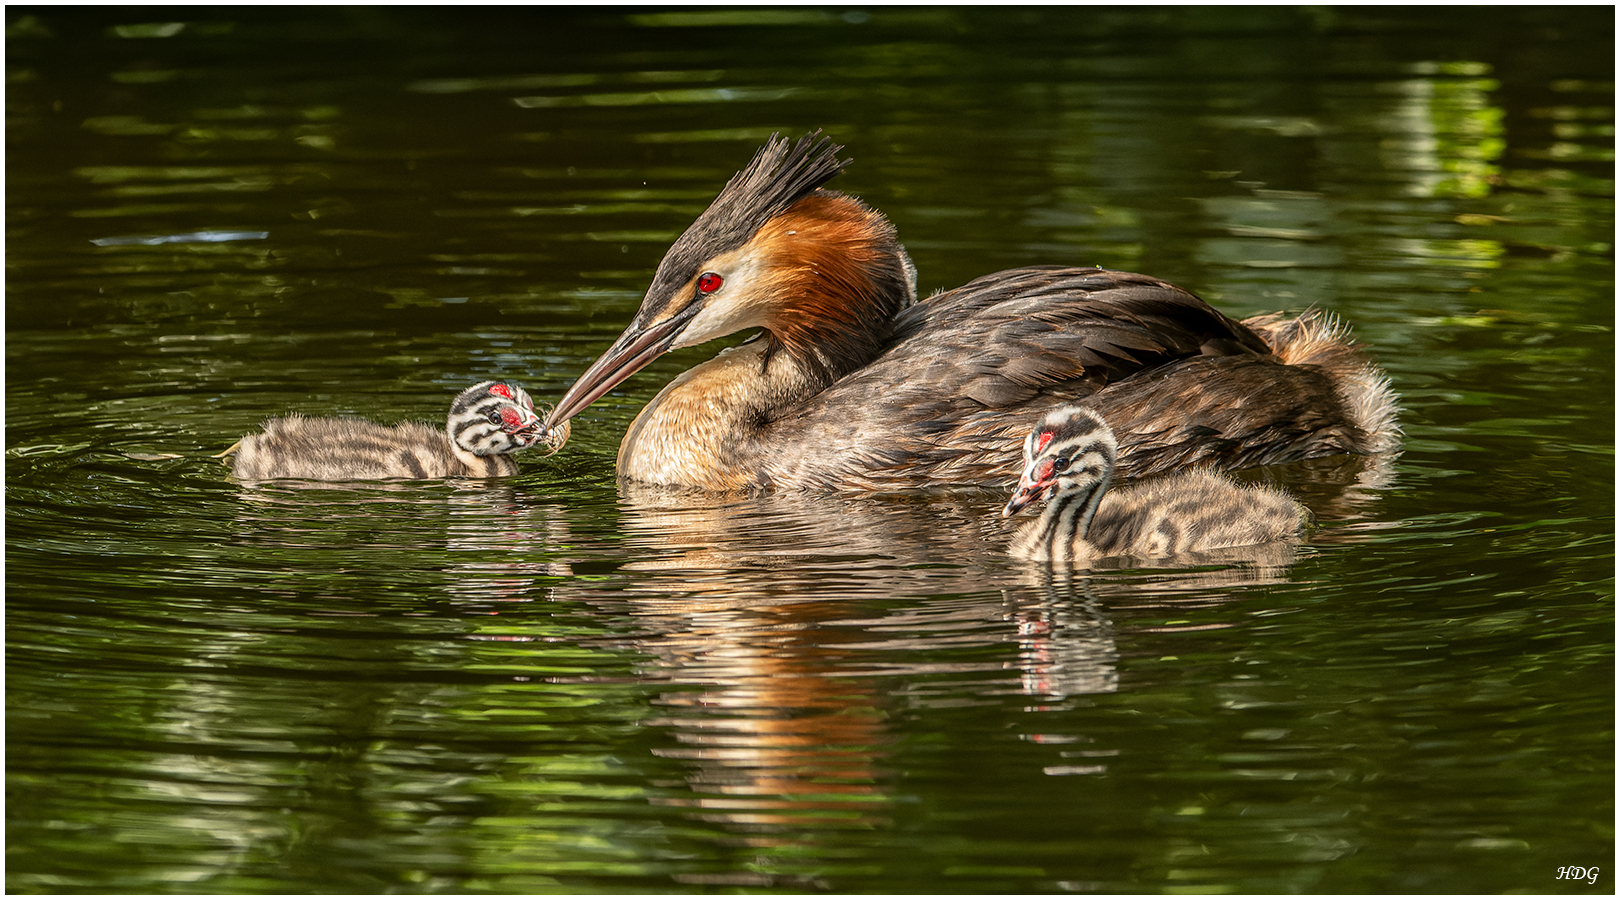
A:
x: 515, y: 421
x: 1043, y: 473
x: 1042, y: 440
x: 501, y: 390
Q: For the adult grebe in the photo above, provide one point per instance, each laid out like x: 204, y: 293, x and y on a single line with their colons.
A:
x: 855, y: 384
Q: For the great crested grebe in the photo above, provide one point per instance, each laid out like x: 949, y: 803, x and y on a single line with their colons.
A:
x: 487, y: 421
x: 1069, y: 458
x: 856, y: 384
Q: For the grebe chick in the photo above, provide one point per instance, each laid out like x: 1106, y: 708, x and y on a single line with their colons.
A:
x: 487, y: 421
x: 1069, y: 457
x: 854, y: 383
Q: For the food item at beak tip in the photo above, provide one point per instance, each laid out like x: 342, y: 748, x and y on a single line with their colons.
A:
x: 553, y: 436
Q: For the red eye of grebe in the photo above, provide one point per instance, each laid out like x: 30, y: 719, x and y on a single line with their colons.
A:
x: 709, y: 282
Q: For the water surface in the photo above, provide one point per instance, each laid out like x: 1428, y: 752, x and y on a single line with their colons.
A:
x: 554, y: 683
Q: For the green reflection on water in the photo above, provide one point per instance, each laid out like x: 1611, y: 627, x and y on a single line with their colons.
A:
x: 548, y: 685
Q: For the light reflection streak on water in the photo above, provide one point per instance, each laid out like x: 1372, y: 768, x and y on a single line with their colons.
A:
x: 190, y: 237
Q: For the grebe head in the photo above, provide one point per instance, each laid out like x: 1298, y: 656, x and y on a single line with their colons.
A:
x: 820, y: 271
x: 492, y: 418
x: 1071, y: 450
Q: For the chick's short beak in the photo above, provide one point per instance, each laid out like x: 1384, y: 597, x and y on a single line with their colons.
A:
x: 1032, y: 485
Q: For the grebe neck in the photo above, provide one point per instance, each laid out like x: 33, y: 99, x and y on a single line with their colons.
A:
x: 708, y: 426
x: 838, y: 275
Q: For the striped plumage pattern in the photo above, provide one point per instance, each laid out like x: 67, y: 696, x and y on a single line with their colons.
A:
x: 487, y: 421
x: 1070, y: 456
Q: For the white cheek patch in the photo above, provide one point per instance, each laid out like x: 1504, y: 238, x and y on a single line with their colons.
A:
x: 739, y: 303
x: 478, y: 439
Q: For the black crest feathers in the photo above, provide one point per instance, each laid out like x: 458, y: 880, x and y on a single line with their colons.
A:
x: 780, y: 175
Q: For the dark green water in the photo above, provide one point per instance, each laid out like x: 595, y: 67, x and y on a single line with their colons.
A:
x: 549, y: 684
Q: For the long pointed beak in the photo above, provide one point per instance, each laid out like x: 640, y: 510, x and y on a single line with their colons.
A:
x: 633, y: 350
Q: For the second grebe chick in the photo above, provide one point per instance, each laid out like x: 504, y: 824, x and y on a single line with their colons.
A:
x: 1069, y: 458
x: 487, y: 422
